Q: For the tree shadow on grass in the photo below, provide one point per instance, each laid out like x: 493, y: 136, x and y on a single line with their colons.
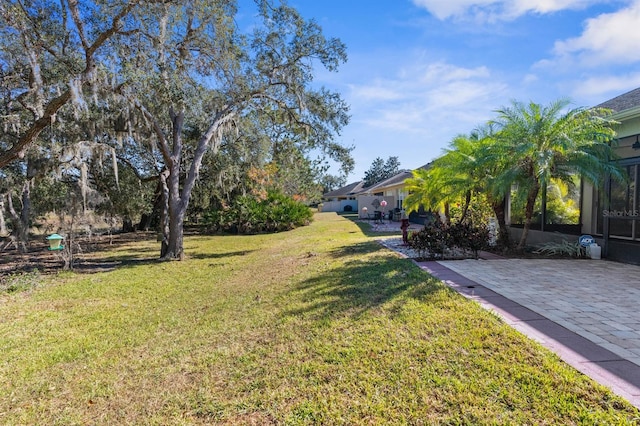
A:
x: 355, y: 249
x: 363, y: 285
x: 133, y: 260
x: 219, y: 255
x: 88, y: 257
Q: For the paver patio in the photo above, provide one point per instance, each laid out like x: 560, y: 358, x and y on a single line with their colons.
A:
x: 585, y: 310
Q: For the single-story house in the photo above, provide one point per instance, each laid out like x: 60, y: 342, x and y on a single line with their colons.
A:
x: 390, y: 190
x: 612, y: 212
x: 342, y: 199
x: 355, y: 197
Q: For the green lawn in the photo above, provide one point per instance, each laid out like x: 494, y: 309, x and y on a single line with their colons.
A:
x: 315, y: 326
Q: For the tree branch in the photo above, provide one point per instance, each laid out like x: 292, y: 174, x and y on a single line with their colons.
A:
x: 48, y: 117
x: 75, y: 15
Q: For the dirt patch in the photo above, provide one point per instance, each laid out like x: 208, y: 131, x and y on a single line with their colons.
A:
x: 87, y: 255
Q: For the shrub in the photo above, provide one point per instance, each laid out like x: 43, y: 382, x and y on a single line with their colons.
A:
x: 469, y: 237
x: 437, y: 239
x: 431, y: 241
x: 249, y: 214
x: 562, y: 249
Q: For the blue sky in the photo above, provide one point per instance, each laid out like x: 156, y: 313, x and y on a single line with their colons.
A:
x: 421, y: 72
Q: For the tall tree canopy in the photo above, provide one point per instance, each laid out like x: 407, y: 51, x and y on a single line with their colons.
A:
x: 177, y: 77
x: 206, y: 76
x: 381, y: 170
x: 50, y: 51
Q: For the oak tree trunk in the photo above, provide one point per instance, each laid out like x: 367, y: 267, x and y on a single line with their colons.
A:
x: 3, y: 223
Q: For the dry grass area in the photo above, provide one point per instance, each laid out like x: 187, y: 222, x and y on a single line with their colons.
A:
x: 93, y: 253
x: 320, y: 325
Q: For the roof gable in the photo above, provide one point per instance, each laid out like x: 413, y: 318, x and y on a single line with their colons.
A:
x: 623, y: 102
x: 345, y: 190
x: 393, y: 180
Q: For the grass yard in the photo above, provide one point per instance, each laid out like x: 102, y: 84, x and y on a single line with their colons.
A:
x: 320, y: 325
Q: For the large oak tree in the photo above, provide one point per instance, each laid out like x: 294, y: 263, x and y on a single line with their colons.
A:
x: 192, y: 76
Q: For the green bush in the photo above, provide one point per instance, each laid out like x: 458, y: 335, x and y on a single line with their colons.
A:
x: 431, y: 241
x: 437, y: 239
x: 469, y: 237
x: 250, y: 215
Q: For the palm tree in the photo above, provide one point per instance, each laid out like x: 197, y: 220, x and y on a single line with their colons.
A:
x: 542, y: 143
x: 488, y: 170
x: 467, y: 168
x: 446, y: 180
x: 424, y: 190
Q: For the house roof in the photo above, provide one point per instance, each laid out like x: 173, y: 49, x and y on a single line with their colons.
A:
x: 393, y: 180
x: 358, y: 188
x: 623, y: 102
x: 350, y: 189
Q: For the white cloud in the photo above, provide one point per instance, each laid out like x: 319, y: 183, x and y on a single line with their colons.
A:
x: 421, y: 98
x: 377, y: 91
x: 452, y: 8
x: 432, y: 103
x: 440, y: 72
x: 601, y: 87
x: 611, y: 38
x: 492, y: 10
x: 521, y: 7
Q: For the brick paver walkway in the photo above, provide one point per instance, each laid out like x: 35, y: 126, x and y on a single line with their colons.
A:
x: 587, y: 311
x: 598, y: 300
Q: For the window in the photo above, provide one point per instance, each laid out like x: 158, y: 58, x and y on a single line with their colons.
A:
x: 623, y: 208
x: 401, y: 196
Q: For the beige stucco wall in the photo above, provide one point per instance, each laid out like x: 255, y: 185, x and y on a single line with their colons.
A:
x: 627, y: 129
x: 367, y: 200
x: 395, y: 192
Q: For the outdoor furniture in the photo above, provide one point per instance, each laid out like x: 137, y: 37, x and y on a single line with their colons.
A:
x: 366, y: 215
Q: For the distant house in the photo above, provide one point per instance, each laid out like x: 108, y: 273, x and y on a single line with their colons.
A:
x: 342, y: 199
x: 355, y: 196
x: 390, y: 190
x: 392, y: 187
x: 394, y: 191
